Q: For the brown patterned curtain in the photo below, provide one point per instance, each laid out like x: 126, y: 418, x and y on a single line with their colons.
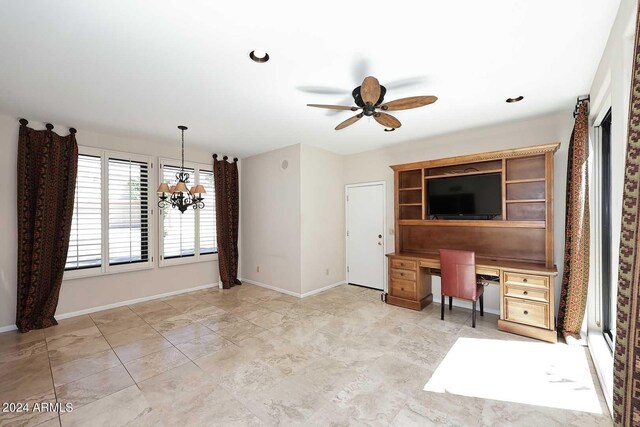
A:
x: 47, y: 168
x: 575, y: 279
x: 626, y: 369
x: 225, y: 175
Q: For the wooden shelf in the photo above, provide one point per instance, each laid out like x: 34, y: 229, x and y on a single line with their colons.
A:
x: 526, y: 201
x: 447, y: 175
x: 475, y: 223
x: 522, y: 181
x: 410, y: 188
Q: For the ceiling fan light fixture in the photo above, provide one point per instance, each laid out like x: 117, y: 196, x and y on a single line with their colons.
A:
x: 514, y: 100
x: 259, y: 56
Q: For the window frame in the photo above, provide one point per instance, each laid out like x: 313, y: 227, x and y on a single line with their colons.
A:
x: 604, y: 189
x: 105, y: 268
x: 197, y: 256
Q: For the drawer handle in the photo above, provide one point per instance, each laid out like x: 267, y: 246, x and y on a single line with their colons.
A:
x: 402, y: 289
x: 402, y: 274
x: 525, y: 293
x: 524, y: 280
x: 402, y: 264
x: 526, y: 312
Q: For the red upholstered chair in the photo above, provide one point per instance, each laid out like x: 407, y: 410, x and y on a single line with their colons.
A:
x: 458, y: 271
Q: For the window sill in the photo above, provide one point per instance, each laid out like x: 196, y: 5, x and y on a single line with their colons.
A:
x: 97, y: 271
x: 188, y: 260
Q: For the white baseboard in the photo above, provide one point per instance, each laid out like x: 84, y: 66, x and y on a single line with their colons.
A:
x: 326, y: 288
x: 132, y: 301
x: 117, y: 304
x: 293, y: 294
x: 8, y: 328
x: 273, y: 288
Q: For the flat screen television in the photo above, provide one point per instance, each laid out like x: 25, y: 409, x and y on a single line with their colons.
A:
x: 464, y: 197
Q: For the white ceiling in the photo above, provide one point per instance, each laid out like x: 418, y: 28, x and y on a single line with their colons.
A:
x: 139, y: 68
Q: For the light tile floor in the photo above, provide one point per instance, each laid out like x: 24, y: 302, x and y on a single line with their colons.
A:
x: 251, y: 356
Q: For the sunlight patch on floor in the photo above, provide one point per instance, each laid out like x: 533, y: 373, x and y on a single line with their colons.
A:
x: 551, y: 375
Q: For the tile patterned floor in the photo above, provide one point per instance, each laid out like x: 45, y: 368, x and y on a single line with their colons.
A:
x: 251, y: 356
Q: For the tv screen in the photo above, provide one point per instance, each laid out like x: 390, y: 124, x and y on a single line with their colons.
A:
x: 465, y: 196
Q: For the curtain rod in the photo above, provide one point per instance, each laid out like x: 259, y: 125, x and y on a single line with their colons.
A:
x: 215, y: 156
x: 49, y: 126
x: 579, y: 101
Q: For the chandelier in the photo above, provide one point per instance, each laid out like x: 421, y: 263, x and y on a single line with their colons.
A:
x: 178, y: 196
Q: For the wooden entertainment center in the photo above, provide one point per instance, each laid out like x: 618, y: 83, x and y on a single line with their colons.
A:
x: 515, y: 246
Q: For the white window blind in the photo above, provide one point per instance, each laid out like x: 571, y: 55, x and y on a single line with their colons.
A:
x: 179, y: 239
x: 128, y: 211
x: 208, y: 238
x: 85, y: 242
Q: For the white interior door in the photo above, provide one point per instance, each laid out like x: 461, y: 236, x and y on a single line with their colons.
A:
x: 365, y: 235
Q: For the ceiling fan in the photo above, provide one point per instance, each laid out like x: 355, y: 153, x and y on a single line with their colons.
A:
x: 369, y: 98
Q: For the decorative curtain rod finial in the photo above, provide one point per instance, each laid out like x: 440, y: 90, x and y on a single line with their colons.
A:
x: 23, y: 122
x: 215, y: 156
x: 235, y: 159
x: 579, y: 101
x: 72, y: 131
x: 225, y: 158
x: 49, y: 126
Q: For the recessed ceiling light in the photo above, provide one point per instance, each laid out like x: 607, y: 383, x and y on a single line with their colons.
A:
x: 259, y: 56
x: 512, y: 100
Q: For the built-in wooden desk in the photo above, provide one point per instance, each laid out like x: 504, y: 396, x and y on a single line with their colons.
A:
x: 515, y: 244
x: 526, y: 290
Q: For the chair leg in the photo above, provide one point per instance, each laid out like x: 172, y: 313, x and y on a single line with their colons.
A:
x: 442, y: 308
x: 450, y: 302
x: 481, y: 305
x: 473, y: 315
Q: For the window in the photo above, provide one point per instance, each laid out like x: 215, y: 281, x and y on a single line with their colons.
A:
x: 208, y: 236
x: 128, y: 211
x: 608, y: 319
x: 85, y: 241
x: 111, y: 216
x: 179, y: 231
x: 189, y: 236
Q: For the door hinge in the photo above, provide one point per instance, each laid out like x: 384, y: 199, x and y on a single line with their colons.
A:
x: 347, y: 233
x: 347, y: 268
x: 347, y: 198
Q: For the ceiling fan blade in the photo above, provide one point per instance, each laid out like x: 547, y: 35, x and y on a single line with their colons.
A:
x: 322, y: 90
x: 387, y: 120
x: 349, y: 121
x: 333, y: 107
x: 370, y: 90
x: 403, y: 83
x: 407, y: 103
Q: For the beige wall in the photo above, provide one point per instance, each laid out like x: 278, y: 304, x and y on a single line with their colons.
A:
x: 292, y: 219
x: 322, y: 218
x: 270, y: 219
x: 374, y: 166
x: 86, y: 293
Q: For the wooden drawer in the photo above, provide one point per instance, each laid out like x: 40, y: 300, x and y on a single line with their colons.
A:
x: 488, y: 271
x: 527, y: 292
x: 403, y: 274
x: 522, y: 279
x: 403, y: 289
x: 526, y: 312
x: 404, y: 264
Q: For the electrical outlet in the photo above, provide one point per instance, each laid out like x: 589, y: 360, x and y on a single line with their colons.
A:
x: 258, y: 269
